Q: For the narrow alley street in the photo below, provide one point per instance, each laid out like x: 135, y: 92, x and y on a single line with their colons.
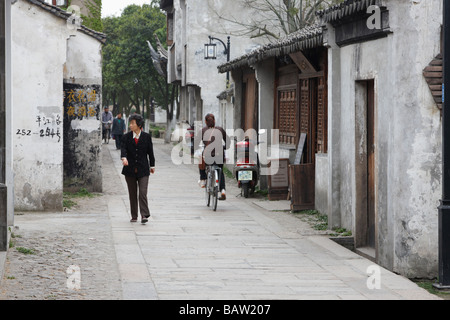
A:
x: 185, y: 251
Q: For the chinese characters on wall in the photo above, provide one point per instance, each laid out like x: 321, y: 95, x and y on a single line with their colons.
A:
x: 80, y: 103
x: 82, y: 137
x: 45, y: 127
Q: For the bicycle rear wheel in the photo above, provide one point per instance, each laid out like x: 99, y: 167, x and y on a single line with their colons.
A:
x: 207, y: 188
x: 207, y: 197
x: 215, y: 189
x: 215, y: 198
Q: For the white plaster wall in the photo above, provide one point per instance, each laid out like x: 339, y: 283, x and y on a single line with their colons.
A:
x: 38, y: 55
x: 408, y: 128
x: 417, y: 160
x: 82, y: 151
x: 9, y: 118
x: 201, y: 20
x: 160, y: 115
x: 84, y: 67
x: 84, y: 62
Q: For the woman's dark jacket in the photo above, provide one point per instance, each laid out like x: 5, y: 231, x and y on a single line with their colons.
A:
x: 140, y: 157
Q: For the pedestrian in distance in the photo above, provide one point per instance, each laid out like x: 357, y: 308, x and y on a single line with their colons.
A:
x: 107, y: 119
x: 138, y: 163
x: 118, y: 129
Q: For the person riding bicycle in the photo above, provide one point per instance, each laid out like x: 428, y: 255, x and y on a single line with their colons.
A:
x: 214, y: 152
x: 107, y: 118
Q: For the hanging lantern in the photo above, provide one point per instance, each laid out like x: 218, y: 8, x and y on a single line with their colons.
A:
x: 210, y: 50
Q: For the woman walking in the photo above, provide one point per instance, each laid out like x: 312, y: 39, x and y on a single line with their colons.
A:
x: 138, y: 163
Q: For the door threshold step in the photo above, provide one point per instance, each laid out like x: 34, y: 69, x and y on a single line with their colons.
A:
x: 367, y: 252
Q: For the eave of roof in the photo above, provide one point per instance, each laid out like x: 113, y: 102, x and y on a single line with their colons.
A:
x: 307, y: 38
x: 347, y: 8
x: 66, y: 15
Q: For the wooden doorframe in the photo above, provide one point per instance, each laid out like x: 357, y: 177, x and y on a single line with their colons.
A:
x: 365, y: 229
x: 313, y: 83
x: 250, y: 102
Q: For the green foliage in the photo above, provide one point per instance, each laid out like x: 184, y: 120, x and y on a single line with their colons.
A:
x: 317, y: 220
x: 25, y: 250
x: 227, y: 173
x: 82, y: 193
x: 94, y: 19
x: 68, y: 197
x: 129, y: 77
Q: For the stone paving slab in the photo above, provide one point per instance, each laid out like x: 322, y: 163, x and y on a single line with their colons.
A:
x: 247, y: 249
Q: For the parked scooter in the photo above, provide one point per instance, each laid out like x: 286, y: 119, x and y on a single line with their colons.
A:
x: 246, y: 169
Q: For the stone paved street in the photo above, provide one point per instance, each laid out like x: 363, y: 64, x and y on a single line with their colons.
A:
x: 186, y: 251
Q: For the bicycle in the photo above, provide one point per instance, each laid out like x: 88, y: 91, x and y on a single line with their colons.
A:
x: 213, y: 173
x: 106, y: 131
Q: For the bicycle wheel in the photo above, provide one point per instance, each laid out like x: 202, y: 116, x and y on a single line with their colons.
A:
x: 215, y: 198
x: 215, y: 189
x: 207, y: 188
x: 108, y: 135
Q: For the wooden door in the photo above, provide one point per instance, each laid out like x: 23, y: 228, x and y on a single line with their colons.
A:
x: 250, y: 111
x: 303, y: 175
x: 371, y: 143
x: 306, y: 109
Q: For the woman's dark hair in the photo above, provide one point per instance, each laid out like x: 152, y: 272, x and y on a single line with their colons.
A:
x: 138, y: 118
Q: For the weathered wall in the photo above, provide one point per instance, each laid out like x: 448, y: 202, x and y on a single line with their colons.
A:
x: 82, y: 112
x: 321, y: 183
x: 417, y: 144
x: 265, y: 76
x: 407, y: 135
x: 9, y: 118
x: 194, y: 22
x: 3, y: 187
x: 38, y: 55
x: 46, y: 54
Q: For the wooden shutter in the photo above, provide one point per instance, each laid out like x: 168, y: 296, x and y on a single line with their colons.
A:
x: 322, y: 117
x: 287, y: 115
x: 304, y: 106
x: 305, y: 116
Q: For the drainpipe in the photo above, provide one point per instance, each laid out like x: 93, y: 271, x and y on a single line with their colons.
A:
x: 444, y: 208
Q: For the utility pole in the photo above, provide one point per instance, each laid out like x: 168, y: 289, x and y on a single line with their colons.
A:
x: 444, y: 208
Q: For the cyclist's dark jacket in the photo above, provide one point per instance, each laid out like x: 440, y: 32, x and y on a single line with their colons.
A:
x: 209, y: 135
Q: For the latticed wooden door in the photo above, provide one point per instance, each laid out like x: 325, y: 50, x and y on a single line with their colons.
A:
x: 287, y: 115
